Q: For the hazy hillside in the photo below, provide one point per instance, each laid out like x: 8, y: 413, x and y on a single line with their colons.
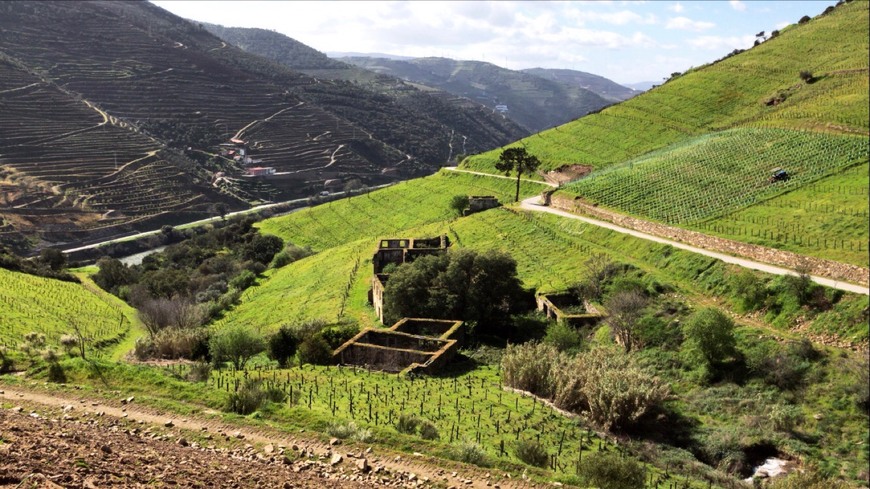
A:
x: 534, y: 102
x: 608, y: 89
x: 113, y: 112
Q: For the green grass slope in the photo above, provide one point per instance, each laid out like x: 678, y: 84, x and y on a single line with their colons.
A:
x: 730, y: 93
x: 52, y: 307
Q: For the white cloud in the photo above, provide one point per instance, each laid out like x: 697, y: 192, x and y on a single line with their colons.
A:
x: 782, y: 25
x: 622, y: 17
x: 677, y: 7
x: 738, y: 5
x: 721, y: 43
x: 687, y: 24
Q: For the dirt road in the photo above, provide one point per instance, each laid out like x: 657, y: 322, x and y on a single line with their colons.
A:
x: 532, y: 204
x: 246, y: 449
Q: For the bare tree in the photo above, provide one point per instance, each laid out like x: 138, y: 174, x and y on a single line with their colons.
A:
x: 624, y: 309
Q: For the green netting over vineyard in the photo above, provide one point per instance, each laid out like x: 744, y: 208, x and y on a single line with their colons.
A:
x: 719, y: 173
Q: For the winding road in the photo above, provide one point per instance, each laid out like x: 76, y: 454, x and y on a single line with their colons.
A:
x: 533, y: 204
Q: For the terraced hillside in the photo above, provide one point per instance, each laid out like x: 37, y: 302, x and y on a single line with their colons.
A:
x: 702, y: 146
x: 93, y: 83
x: 473, y: 125
x: 72, y: 171
x: 536, y: 98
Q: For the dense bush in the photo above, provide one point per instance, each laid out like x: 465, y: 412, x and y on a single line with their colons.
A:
x: 251, y: 396
x: 470, y: 452
x: 604, y: 385
x: 350, y: 431
x: 610, y: 471
x: 235, y: 345
x: 564, y: 337
x: 407, y: 424
x: 709, y: 340
x: 428, y: 430
x: 529, y: 367
x: 608, y: 387
x: 315, y: 350
x: 173, y: 343
x: 532, y: 452
x: 748, y: 289
x: 159, y: 314
x: 282, y: 345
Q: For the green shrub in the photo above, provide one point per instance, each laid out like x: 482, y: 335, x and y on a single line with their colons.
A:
x: 564, y: 337
x: 748, y: 289
x: 282, y: 345
x: 709, y: 340
x: 243, y: 280
x: 654, y: 331
x: 529, y: 367
x: 247, y: 399
x: 315, y: 350
x: 253, y: 395
x: 470, y: 453
x: 338, y: 334
x: 407, y: 424
x: 611, y: 471
x: 236, y: 345
x: 428, y: 430
x: 6, y: 363
x: 532, y: 452
x: 459, y: 203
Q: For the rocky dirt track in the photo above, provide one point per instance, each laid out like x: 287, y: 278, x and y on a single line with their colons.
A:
x: 67, y: 449
x: 51, y: 441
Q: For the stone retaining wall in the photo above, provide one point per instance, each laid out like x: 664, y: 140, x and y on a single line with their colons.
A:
x: 816, y: 266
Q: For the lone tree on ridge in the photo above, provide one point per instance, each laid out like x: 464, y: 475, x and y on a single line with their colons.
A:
x: 519, y: 160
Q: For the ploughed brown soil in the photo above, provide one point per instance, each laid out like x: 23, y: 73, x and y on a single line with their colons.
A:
x: 56, y: 449
x: 49, y: 441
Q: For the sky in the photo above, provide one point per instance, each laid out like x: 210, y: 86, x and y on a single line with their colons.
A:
x: 625, y: 41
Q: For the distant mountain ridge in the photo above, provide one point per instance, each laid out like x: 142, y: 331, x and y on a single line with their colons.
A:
x: 604, y: 87
x: 534, y: 102
x: 535, y: 99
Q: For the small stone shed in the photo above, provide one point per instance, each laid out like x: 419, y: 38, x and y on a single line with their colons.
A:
x: 479, y: 203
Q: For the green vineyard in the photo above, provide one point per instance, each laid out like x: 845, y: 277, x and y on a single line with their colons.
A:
x: 53, y: 307
x: 719, y: 173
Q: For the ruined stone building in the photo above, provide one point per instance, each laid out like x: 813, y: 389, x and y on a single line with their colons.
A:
x: 396, y: 252
x: 479, y: 203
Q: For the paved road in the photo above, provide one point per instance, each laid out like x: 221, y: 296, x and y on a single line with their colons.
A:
x: 532, y: 204
x: 212, y: 219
